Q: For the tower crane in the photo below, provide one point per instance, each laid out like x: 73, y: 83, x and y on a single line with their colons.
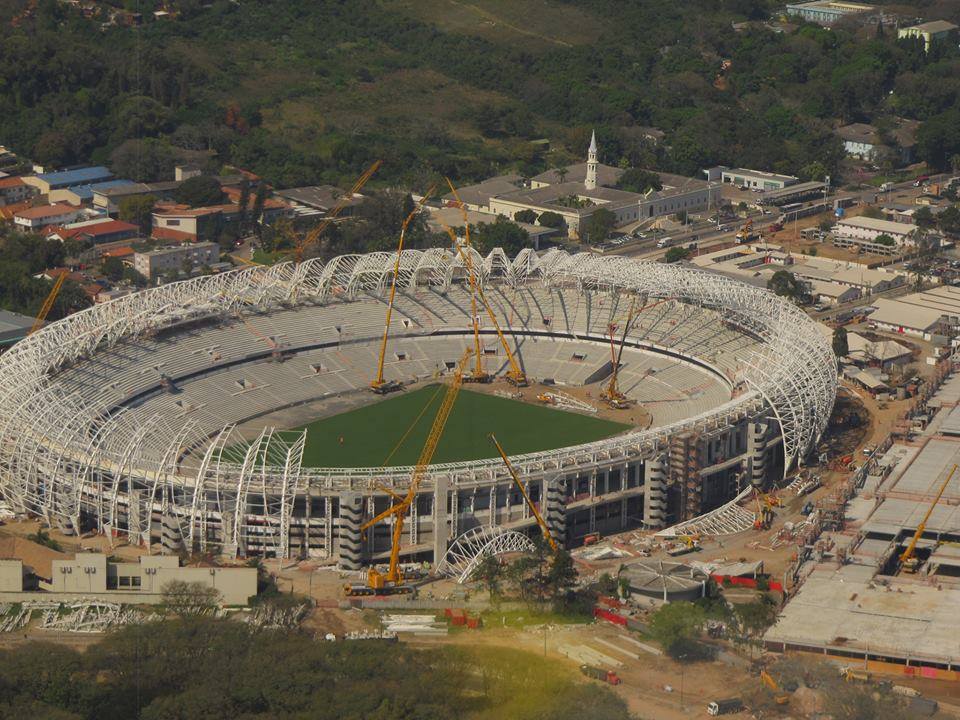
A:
x: 611, y: 393
x: 392, y: 581
x: 523, y: 491
x: 908, y: 560
x: 48, y: 303
x: 379, y: 385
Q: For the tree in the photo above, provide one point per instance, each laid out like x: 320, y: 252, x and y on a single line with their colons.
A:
x: 490, y: 573
x: 526, y: 216
x: 199, y: 191
x: 138, y: 209
x: 949, y: 220
x: 561, y: 576
x: 189, y: 598
x: 840, y: 347
x: 676, y: 254
x: 147, y: 160
x: 112, y: 267
x: 562, y: 173
x: 551, y: 220
x: 501, y: 233
x: 884, y: 239
x: 786, y: 284
x: 924, y: 219
x: 243, y: 207
x: 598, y: 226
x: 639, y: 181
x: 675, y: 624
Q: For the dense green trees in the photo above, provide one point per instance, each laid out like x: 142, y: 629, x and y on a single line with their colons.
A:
x: 71, y: 92
x: 21, y: 257
x: 199, y: 191
x: 597, y: 226
x: 204, y: 668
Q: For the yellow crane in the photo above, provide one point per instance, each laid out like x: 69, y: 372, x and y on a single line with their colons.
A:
x: 392, y: 581
x: 611, y: 393
x: 379, y: 385
x: 908, y: 560
x: 523, y: 491
x: 515, y: 375
x: 311, y: 237
x: 48, y: 303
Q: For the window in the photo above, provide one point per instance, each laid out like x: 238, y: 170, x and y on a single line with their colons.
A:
x: 123, y: 581
x: 173, y: 223
x: 135, y: 581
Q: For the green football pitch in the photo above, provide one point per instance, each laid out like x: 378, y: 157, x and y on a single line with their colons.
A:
x: 393, y: 431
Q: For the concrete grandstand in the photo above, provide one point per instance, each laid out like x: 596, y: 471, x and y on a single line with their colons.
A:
x: 159, y: 415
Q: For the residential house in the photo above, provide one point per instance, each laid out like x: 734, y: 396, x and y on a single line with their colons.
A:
x: 860, y: 140
x: 155, y: 262
x: 78, y: 195
x: 832, y: 293
x: 15, y: 190
x: 109, y: 198
x: 37, y: 218
x: 98, y: 232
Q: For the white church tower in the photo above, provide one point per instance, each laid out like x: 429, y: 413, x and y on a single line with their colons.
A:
x: 590, y: 183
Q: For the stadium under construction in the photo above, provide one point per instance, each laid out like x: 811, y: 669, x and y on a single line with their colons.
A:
x: 160, y: 415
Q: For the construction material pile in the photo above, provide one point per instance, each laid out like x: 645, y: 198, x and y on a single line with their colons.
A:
x: 274, y: 617
x: 89, y: 616
x: 416, y: 624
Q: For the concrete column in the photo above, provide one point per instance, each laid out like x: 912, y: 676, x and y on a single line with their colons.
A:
x: 414, y: 525
x: 328, y: 526
x: 170, y: 537
x: 555, y: 509
x: 371, y: 535
x: 655, y: 492
x: 757, y: 450
x: 623, y: 513
x: 441, y: 534
x: 592, y: 484
x: 351, y: 514
x: 455, y: 513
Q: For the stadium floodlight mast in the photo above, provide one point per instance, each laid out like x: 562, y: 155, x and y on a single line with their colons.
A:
x: 60, y: 453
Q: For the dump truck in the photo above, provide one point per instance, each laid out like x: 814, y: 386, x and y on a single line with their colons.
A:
x: 607, y: 676
x: 725, y: 707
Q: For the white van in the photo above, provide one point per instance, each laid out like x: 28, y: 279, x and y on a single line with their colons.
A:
x: 664, y: 242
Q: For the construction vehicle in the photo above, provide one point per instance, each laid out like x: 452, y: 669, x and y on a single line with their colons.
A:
x: 314, y: 235
x: 908, y: 560
x: 764, y: 515
x: 611, y: 394
x: 686, y: 544
x: 523, y: 491
x: 779, y: 697
x: 392, y: 582
x: 378, y: 384
x: 48, y: 303
x: 745, y: 234
x: 607, y: 676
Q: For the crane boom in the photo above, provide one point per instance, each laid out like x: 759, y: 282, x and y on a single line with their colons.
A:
x: 379, y: 385
x: 48, y: 303
x: 393, y: 578
x: 612, y: 393
x: 907, y: 555
x: 311, y: 237
x: 523, y: 491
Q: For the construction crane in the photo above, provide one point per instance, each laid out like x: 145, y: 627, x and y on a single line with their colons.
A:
x: 311, y: 237
x: 523, y: 491
x: 744, y: 234
x: 379, y: 385
x: 908, y: 560
x: 392, y: 581
x: 48, y: 303
x: 611, y: 393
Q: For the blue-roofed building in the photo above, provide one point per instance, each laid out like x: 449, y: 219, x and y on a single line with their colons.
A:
x: 83, y: 194
x: 46, y: 182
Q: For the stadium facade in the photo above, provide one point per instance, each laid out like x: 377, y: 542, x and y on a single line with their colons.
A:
x: 149, y: 416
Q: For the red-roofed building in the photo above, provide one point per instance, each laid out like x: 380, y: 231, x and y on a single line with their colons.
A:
x: 184, y: 224
x: 120, y: 252
x: 8, y: 211
x: 98, y: 233
x: 14, y: 190
x: 38, y: 218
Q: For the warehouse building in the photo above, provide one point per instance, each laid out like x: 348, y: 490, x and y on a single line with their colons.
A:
x: 828, y: 12
x: 757, y: 179
x: 46, y: 182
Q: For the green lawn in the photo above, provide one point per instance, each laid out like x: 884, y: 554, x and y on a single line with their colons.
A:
x: 370, y: 433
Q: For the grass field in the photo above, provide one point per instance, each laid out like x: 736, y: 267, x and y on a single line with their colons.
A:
x: 371, y: 433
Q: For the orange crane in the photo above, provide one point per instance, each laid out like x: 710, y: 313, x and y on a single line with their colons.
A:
x: 779, y: 697
x: 611, y: 393
x: 48, y: 303
x: 392, y: 581
x: 908, y: 560
x: 523, y: 491
x: 311, y: 237
x: 379, y: 385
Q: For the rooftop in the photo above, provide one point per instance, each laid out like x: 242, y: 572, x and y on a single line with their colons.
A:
x: 761, y: 173
x: 14, y: 321
x: 322, y: 197
x: 904, y: 314
x: 481, y: 193
x: 577, y: 173
x: 884, y: 226
x: 85, y: 192
x: 44, y: 211
x: 9, y: 182
x: 80, y: 176
x: 859, y: 133
x: 934, y: 26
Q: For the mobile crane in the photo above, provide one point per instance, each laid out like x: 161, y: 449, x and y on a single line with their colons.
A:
x: 392, y: 581
x: 908, y: 560
x: 523, y: 491
x: 611, y: 393
x: 378, y: 384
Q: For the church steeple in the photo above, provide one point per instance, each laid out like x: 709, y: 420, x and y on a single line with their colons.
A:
x: 590, y: 183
